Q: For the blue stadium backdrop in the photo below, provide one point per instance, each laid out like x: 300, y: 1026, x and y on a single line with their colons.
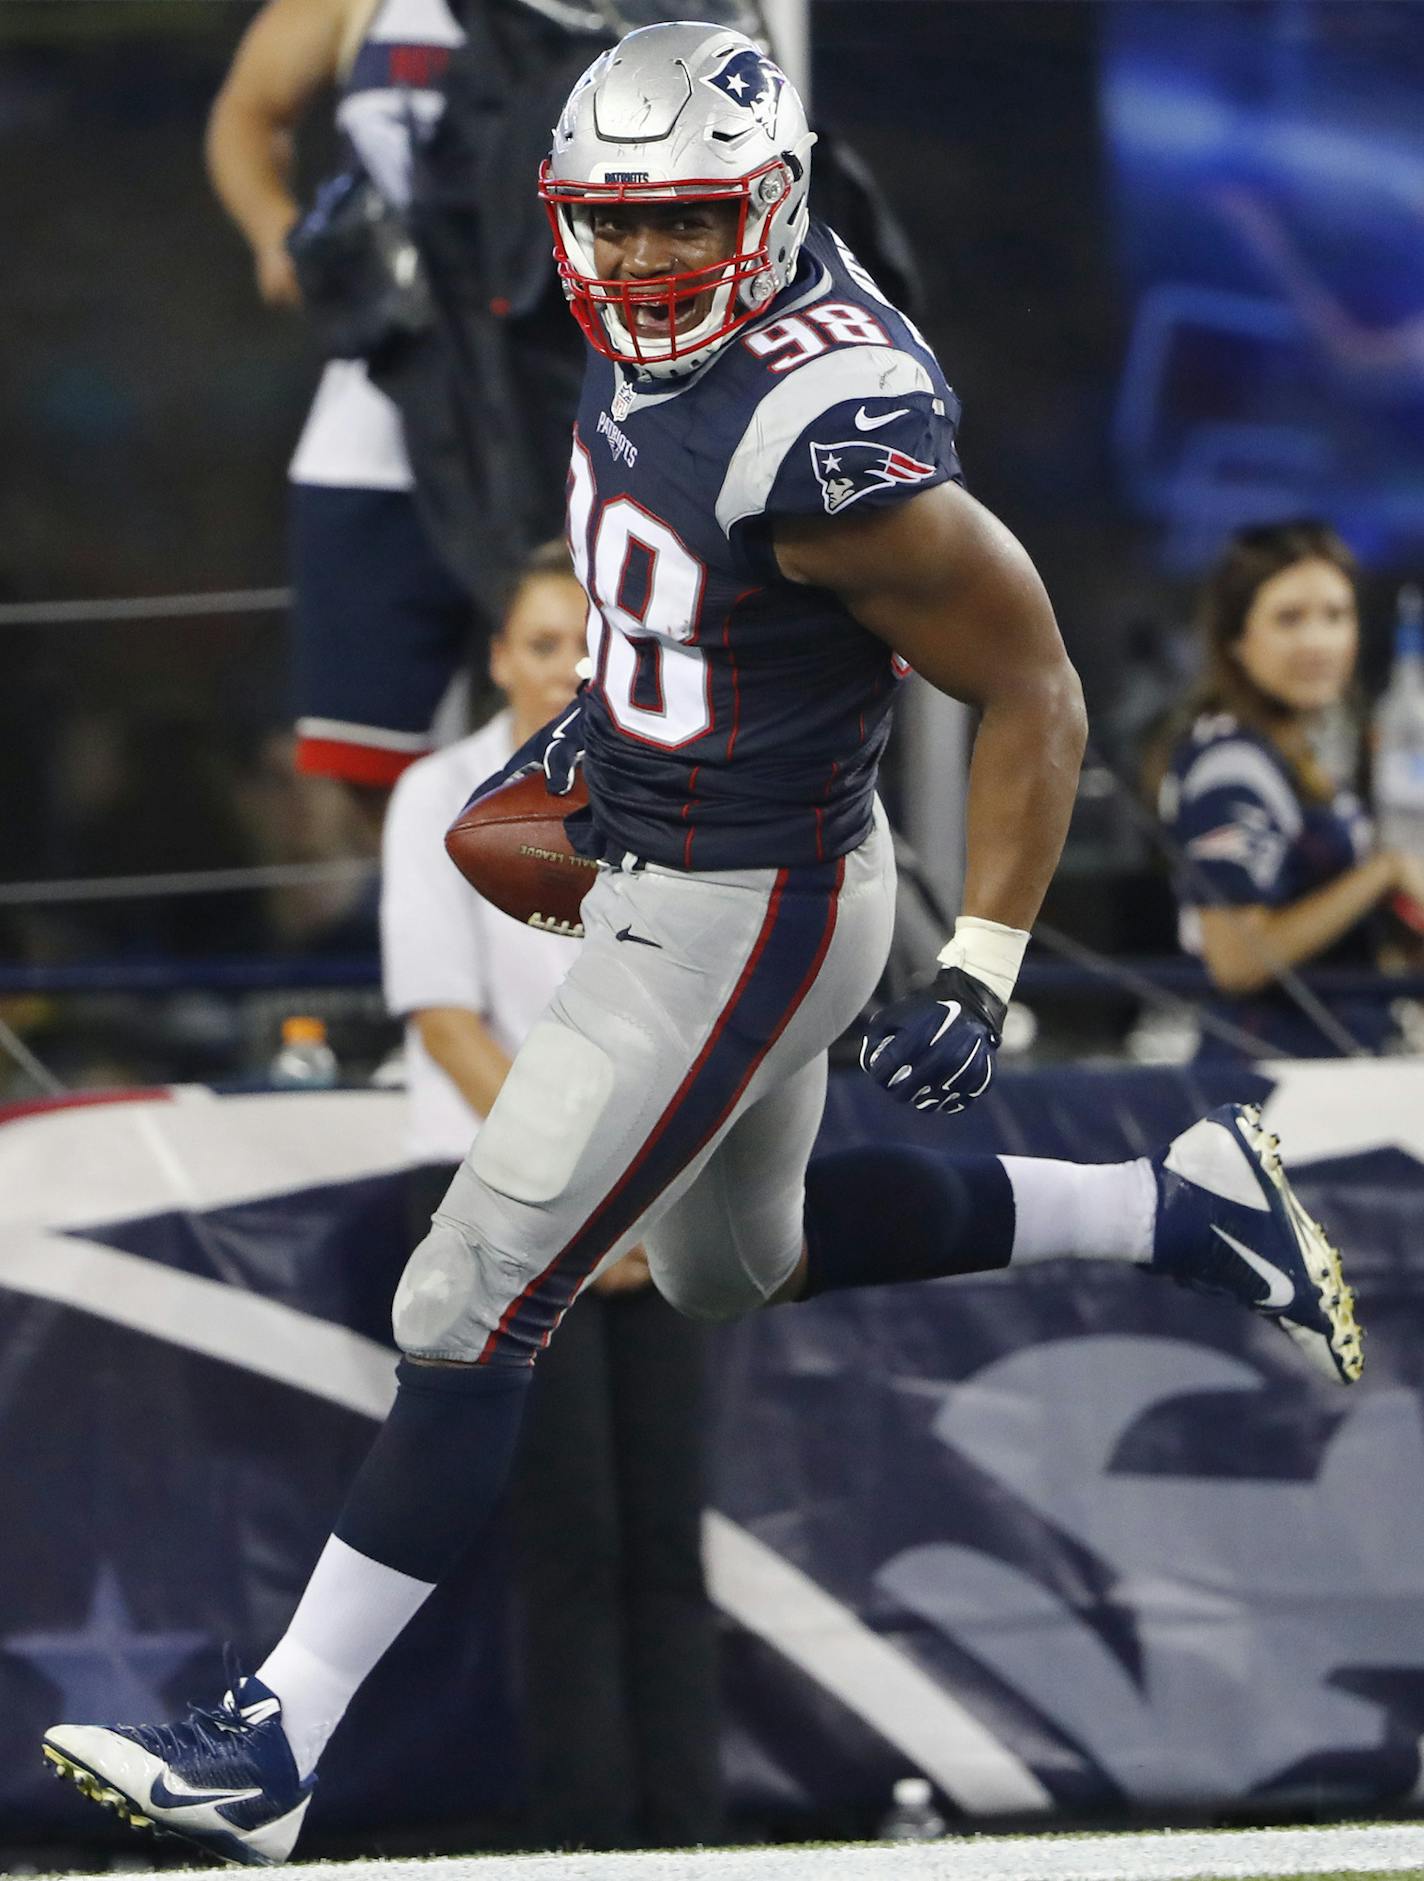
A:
x: 1068, y: 1541
x: 1267, y: 175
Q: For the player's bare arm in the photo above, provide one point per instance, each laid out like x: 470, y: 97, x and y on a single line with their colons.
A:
x: 946, y: 585
x: 291, y: 50
x: 950, y: 589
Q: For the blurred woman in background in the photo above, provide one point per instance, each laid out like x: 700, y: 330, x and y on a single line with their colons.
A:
x: 1277, y: 868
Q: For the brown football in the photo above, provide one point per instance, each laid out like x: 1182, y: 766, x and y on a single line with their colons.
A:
x: 513, y: 848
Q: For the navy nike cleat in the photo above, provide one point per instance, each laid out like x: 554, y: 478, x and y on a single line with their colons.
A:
x: 1228, y: 1222
x: 224, y: 1779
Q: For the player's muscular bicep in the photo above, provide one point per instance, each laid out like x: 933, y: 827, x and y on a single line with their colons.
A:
x: 940, y: 580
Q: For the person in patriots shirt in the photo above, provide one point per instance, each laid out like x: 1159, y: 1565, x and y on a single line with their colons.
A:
x: 1278, y: 867
x: 746, y: 609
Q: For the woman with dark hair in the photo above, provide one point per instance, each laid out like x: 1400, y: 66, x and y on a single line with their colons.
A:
x: 1278, y: 867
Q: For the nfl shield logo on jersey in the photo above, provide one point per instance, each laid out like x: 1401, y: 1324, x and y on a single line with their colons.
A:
x: 848, y: 471
x: 622, y: 401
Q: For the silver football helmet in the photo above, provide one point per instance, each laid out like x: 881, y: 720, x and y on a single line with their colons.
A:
x: 685, y: 112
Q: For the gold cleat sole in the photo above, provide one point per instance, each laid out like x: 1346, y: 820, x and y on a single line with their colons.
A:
x: 97, y: 1790
x: 1322, y: 1261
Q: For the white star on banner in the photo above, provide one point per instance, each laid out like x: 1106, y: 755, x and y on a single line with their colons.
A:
x: 105, y: 1669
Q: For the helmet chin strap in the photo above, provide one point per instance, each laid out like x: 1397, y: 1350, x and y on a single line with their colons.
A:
x: 673, y: 365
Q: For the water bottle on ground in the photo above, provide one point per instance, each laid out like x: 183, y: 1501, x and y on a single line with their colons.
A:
x: 913, y: 1816
x: 1399, y: 735
x: 305, y: 1062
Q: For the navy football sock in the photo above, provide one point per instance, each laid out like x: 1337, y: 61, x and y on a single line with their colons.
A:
x: 879, y: 1215
x: 438, y: 1466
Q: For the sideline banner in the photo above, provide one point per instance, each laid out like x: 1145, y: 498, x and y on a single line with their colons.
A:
x: 1065, y: 1540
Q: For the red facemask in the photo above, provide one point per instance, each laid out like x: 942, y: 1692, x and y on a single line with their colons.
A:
x: 669, y: 297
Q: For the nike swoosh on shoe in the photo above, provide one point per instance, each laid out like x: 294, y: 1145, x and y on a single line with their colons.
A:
x: 174, y: 1793
x: 1281, y: 1289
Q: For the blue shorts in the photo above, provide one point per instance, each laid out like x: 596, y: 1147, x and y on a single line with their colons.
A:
x: 380, y: 629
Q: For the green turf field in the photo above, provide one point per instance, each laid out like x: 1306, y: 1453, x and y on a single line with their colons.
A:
x: 1347, y: 1852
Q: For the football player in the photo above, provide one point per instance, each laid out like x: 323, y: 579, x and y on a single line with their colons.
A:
x: 766, y: 511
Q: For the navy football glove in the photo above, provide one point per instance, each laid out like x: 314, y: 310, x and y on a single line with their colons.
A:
x: 564, y: 752
x: 556, y: 749
x: 935, y: 1047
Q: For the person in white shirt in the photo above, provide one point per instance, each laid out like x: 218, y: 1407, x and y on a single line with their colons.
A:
x: 469, y: 980
x: 619, y: 1646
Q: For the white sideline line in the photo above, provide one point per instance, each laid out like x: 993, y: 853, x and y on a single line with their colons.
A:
x: 1173, y: 1855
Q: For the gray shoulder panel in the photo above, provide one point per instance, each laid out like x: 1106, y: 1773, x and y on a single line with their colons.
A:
x: 797, y: 401
x: 1237, y: 761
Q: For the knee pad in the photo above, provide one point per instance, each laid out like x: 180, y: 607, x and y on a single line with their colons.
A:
x: 446, y: 1305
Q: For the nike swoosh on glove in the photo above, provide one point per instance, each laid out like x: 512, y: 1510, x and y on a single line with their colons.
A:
x: 934, y: 1049
x: 561, y: 733
x: 564, y: 752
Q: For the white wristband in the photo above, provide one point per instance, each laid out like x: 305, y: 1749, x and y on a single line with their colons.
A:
x: 991, y: 952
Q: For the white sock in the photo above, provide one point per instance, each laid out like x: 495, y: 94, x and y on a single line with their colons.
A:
x: 352, y: 1610
x: 1097, y: 1211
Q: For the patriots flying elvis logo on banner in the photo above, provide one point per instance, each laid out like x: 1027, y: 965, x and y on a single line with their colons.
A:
x: 751, y: 81
x: 851, y: 470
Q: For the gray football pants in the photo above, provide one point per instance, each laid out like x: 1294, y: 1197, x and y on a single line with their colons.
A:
x: 670, y: 1095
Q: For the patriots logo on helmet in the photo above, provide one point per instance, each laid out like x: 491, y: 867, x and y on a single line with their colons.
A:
x: 751, y: 81
x: 848, y: 471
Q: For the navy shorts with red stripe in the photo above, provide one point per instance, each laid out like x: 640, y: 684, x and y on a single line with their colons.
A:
x: 380, y: 628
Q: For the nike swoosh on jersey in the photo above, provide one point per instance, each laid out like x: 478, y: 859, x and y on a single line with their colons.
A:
x: 640, y: 940
x: 864, y: 421
x: 952, y: 1010
x: 1282, y: 1292
x: 175, y: 1793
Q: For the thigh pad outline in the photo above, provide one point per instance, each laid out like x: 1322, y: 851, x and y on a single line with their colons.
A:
x: 545, y: 1115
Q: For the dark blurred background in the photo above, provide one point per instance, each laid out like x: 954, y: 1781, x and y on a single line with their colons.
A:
x: 1173, y: 266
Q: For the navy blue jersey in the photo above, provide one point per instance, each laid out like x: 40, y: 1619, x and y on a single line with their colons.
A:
x: 736, y: 719
x: 1233, y: 806
x: 1253, y: 840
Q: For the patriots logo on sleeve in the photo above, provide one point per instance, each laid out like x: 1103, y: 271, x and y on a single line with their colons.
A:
x: 752, y: 82
x: 1250, y: 840
x: 848, y: 471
